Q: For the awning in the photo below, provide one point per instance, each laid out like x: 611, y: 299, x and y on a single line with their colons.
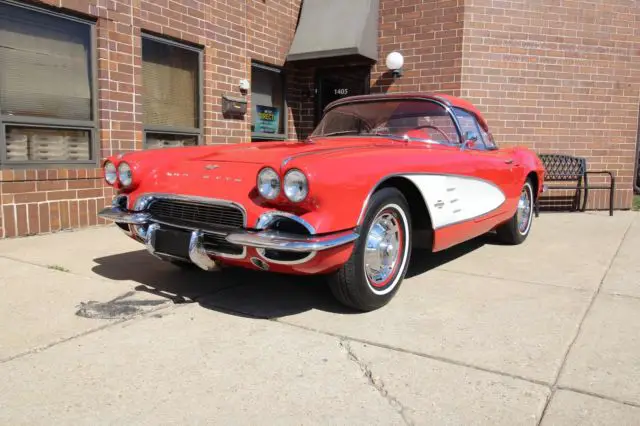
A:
x: 334, y: 28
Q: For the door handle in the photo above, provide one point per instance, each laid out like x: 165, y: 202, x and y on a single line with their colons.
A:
x: 509, y: 161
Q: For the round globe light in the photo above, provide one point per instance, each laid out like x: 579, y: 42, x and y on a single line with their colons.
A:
x: 296, y: 187
x: 125, y: 174
x: 268, y: 183
x: 395, y: 61
x: 110, y: 173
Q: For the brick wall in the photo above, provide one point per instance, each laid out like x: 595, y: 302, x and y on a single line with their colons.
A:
x: 429, y: 36
x: 559, y: 77
x: 556, y: 78
x: 231, y: 33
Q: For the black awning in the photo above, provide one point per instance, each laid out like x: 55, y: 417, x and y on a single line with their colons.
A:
x: 334, y: 28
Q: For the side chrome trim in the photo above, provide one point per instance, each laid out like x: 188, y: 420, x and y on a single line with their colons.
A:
x: 290, y: 242
x: 268, y: 218
x: 404, y: 175
x: 116, y: 214
x: 261, y: 253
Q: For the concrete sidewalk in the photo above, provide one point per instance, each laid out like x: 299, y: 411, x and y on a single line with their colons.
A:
x: 97, y: 331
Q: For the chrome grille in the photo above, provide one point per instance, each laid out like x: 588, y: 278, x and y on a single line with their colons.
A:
x: 198, y: 215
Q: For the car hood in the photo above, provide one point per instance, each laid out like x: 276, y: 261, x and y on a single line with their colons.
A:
x: 274, y: 153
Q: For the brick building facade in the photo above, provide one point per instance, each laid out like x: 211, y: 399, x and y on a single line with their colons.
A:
x: 94, y: 77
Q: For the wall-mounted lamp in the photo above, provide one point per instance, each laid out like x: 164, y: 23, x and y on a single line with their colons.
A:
x: 395, y: 61
x: 244, y: 85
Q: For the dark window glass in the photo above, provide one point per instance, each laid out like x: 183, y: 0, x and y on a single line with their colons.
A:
x: 268, y: 114
x: 170, y: 85
x: 45, y: 65
x: 46, y: 87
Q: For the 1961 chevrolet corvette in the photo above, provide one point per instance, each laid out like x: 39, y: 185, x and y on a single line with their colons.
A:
x: 379, y: 175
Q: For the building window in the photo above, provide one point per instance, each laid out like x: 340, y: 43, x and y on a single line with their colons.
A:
x: 268, y: 112
x: 47, y: 91
x: 171, y: 87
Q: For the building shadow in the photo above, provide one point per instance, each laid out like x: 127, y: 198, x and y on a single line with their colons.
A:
x: 249, y: 293
x: 382, y: 83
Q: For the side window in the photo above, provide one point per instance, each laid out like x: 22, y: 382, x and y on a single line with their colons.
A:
x: 468, y: 124
x: 488, y: 139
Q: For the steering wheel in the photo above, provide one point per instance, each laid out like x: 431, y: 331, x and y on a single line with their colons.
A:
x: 434, y: 128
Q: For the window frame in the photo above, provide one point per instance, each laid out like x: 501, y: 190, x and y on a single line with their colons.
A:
x: 480, y: 132
x: 198, y: 132
x: 90, y: 126
x: 266, y: 137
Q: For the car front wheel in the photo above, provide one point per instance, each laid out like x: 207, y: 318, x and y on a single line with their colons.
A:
x: 380, y: 259
x: 516, y: 230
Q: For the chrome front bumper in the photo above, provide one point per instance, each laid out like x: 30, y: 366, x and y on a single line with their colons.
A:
x: 259, y: 239
x: 288, y: 242
x: 120, y: 215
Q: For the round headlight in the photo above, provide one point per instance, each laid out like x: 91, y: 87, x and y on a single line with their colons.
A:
x: 296, y: 186
x: 110, y: 173
x: 124, y: 174
x: 268, y: 183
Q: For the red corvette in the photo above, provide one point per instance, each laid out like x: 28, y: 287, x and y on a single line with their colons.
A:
x: 379, y: 175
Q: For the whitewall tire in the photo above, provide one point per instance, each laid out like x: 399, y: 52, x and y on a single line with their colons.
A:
x: 380, y: 258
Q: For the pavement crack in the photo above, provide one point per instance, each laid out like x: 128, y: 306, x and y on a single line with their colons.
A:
x: 411, y: 352
x: 112, y: 323
x: 555, y: 386
x: 376, y: 382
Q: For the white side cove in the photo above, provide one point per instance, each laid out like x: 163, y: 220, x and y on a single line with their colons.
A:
x: 454, y: 199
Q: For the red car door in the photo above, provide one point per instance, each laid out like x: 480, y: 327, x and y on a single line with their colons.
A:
x: 493, y: 164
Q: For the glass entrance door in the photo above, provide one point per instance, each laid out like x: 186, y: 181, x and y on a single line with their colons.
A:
x: 337, y: 83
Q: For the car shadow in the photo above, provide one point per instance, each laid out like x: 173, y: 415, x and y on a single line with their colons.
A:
x: 250, y: 293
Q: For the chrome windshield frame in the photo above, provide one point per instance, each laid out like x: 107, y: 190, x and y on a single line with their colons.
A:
x: 390, y: 98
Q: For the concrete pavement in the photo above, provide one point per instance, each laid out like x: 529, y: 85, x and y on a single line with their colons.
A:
x: 97, y: 331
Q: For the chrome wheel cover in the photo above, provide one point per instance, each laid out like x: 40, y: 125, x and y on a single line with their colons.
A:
x: 525, y: 208
x: 384, y: 247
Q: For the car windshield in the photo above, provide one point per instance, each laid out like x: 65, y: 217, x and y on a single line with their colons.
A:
x: 413, y: 119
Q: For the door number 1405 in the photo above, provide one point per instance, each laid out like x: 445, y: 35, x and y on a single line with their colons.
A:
x: 341, y: 91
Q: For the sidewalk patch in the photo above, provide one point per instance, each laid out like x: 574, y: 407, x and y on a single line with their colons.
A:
x: 118, y: 308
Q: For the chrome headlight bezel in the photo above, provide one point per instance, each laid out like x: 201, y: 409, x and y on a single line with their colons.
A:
x: 110, y: 173
x: 261, y: 182
x: 296, y: 185
x: 125, y: 174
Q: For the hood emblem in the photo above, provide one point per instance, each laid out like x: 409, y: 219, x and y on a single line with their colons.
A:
x: 211, y: 166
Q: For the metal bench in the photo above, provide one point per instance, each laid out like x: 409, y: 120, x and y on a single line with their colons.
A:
x: 569, y: 169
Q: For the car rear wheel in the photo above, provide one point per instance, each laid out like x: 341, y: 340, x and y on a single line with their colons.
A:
x: 516, y: 230
x: 373, y: 274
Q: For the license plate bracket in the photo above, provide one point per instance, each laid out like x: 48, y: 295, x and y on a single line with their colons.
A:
x: 172, y: 242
